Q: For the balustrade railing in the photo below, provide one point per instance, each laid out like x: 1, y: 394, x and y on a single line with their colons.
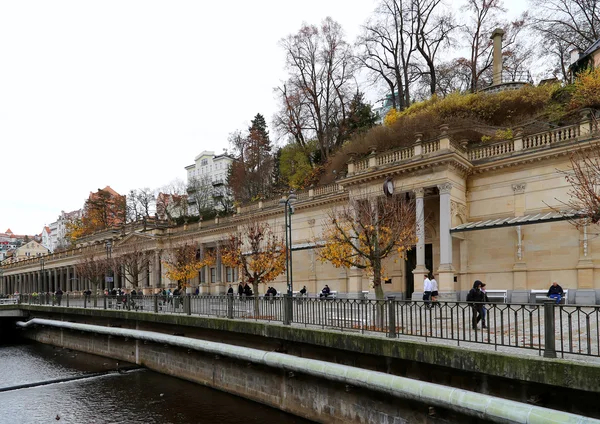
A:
x: 327, y: 189
x: 431, y: 146
x: 491, y: 150
x: 547, y: 328
x: 395, y: 156
x: 551, y: 137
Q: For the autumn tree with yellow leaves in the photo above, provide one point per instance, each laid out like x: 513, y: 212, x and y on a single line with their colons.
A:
x: 366, y: 232
x: 184, y: 262
x: 257, y: 252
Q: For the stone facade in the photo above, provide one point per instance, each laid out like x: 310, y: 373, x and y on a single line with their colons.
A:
x: 451, y: 185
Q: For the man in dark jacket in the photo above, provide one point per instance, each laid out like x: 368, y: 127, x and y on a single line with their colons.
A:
x: 477, y: 296
x: 555, y: 292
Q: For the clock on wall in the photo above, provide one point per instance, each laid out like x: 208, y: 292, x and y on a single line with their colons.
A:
x: 388, y: 186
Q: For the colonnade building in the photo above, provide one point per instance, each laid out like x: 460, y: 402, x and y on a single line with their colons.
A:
x: 493, y: 212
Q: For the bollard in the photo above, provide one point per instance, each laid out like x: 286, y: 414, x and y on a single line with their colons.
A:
x: 230, y: 306
x: 187, y: 305
x: 155, y: 304
x: 287, y: 315
x: 104, y: 301
x: 549, y: 337
x: 391, y: 304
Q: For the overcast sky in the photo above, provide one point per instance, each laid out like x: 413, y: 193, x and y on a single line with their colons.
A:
x: 126, y: 93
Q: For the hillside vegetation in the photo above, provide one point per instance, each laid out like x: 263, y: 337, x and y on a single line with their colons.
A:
x: 480, y: 117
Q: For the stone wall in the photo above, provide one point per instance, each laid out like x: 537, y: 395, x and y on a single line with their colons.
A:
x: 301, y: 395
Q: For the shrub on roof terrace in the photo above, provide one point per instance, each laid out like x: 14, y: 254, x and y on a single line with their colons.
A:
x: 474, y: 117
x: 587, y: 90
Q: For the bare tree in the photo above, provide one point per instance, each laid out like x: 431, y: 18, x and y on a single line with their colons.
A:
x: 320, y: 66
x: 387, y: 47
x: 482, y: 21
x: 131, y: 262
x: 172, y: 201
x: 583, y: 176
x: 432, y: 28
x: 93, y: 268
x: 200, y: 192
x: 563, y: 25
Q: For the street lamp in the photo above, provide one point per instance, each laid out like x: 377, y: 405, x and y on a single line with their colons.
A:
x: 288, y: 212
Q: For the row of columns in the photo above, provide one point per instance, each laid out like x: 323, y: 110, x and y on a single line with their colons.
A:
x: 445, y: 270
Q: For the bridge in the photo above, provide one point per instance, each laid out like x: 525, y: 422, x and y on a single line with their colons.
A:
x: 401, y: 338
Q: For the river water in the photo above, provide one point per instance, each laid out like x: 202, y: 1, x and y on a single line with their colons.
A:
x: 107, y: 392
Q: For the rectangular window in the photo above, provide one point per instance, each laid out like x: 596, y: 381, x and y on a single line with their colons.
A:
x: 229, y: 274
x: 213, y: 275
x: 201, y: 276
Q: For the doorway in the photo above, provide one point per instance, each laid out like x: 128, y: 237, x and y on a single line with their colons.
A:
x: 411, y: 264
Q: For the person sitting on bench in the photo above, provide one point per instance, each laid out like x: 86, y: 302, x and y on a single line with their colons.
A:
x: 555, y: 292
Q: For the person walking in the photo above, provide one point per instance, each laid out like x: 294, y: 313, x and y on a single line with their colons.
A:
x: 230, y: 291
x: 240, y: 289
x: 434, y: 290
x: 555, y: 292
x: 59, y: 294
x: 477, y: 297
x: 427, y: 291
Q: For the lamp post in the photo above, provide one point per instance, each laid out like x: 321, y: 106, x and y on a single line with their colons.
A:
x: 288, y: 212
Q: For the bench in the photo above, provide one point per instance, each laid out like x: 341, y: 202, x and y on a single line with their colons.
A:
x: 332, y: 295
x: 541, y: 295
x: 496, y: 296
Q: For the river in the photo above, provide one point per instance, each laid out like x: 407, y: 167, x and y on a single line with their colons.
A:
x: 104, y: 391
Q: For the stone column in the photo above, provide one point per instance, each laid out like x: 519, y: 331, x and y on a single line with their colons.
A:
x: 156, y: 270
x: 585, y: 294
x: 420, y: 269
x: 497, y: 61
x: 446, y: 269
x: 219, y: 288
x: 520, y: 293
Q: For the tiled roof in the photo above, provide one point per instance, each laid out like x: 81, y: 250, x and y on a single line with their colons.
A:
x: 595, y: 46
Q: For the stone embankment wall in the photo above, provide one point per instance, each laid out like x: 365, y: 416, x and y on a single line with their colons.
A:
x: 302, y: 395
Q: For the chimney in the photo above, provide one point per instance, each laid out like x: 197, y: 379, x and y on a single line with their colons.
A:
x: 575, y: 55
x: 497, y: 64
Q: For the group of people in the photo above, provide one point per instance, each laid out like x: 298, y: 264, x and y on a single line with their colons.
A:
x: 479, y: 297
x: 430, y: 290
x: 244, y: 289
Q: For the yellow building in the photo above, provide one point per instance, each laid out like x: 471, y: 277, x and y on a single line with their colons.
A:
x: 486, y: 212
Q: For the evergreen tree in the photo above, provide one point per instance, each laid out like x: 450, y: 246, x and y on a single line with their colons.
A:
x: 250, y: 177
x: 360, y: 116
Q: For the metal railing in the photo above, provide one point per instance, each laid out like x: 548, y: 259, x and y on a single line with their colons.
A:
x: 547, y: 328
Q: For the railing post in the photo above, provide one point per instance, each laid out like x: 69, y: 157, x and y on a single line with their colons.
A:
x: 549, y: 337
x: 105, y: 302
x: 155, y: 303
x: 287, y: 310
x: 67, y: 300
x: 187, y: 304
x: 230, y: 306
x: 85, y: 301
x: 128, y: 301
x: 391, y: 304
